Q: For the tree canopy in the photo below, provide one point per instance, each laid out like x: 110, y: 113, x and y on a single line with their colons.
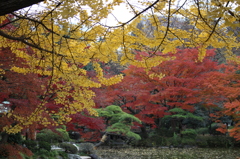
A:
x: 182, y: 84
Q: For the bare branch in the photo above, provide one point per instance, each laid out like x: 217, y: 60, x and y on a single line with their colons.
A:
x: 136, y: 15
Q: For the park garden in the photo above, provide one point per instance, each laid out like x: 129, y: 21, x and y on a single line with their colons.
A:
x: 163, y: 83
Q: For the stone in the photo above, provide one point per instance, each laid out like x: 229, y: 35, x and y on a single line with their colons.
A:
x: 76, y: 146
x: 86, y: 157
x: 94, y: 156
x: 74, y: 156
x: 87, y: 148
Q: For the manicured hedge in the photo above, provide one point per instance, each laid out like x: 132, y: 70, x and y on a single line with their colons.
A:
x: 69, y: 148
x: 53, y: 137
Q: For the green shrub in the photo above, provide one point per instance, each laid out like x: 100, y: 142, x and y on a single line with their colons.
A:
x: 141, y: 143
x: 53, y: 154
x: 212, y: 129
x: 69, y: 148
x: 53, y: 137
x: 42, y: 153
x: 186, y: 141
x: 189, y: 133
x: 201, y: 141
x: 15, y: 138
x: 175, y: 140
x: 220, y: 141
x: 48, y: 136
x: 160, y: 140
x: 202, y: 131
x: 63, y: 154
x: 165, y: 132
x: 44, y: 145
x: 151, y: 141
x: 154, y: 139
x: 236, y: 143
x: 157, y: 140
x: 31, y: 145
x: 216, y: 142
x: 86, y: 148
x: 63, y: 134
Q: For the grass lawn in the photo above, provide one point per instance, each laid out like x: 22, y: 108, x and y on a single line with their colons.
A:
x: 169, y: 153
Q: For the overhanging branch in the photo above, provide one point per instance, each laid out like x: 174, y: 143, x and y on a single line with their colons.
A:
x: 9, y: 6
x: 24, y: 40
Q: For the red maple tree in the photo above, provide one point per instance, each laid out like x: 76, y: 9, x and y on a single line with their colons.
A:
x: 149, y: 97
x: 22, y: 91
x: 221, y: 89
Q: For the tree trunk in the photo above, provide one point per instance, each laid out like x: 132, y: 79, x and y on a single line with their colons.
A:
x: 144, y: 133
x: 103, y: 139
x: 4, y: 137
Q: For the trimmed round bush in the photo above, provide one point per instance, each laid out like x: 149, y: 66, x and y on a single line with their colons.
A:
x: 53, y: 137
x: 86, y: 148
x: 69, y: 148
x: 189, y: 133
x: 186, y: 141
x: 220, y: 141
x: 201, y: 141
x: 47, y: 136
x: 63, y: 134
x: 202, y: 131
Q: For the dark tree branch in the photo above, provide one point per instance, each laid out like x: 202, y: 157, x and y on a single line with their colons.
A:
x: 25, y: 41
x: 134, y: 17
x: 9, y: 6
x: 45, y: 27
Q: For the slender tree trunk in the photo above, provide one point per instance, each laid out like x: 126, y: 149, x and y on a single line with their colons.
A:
x: 103, y: 139
x: 144, y: 133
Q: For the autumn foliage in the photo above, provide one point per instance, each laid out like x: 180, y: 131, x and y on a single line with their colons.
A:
x: 222, y: 90
x: 13, y: 151
x: 183, y: 82
x: 45, y: 58
x: 90, y: 128
x: 22, y: 91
